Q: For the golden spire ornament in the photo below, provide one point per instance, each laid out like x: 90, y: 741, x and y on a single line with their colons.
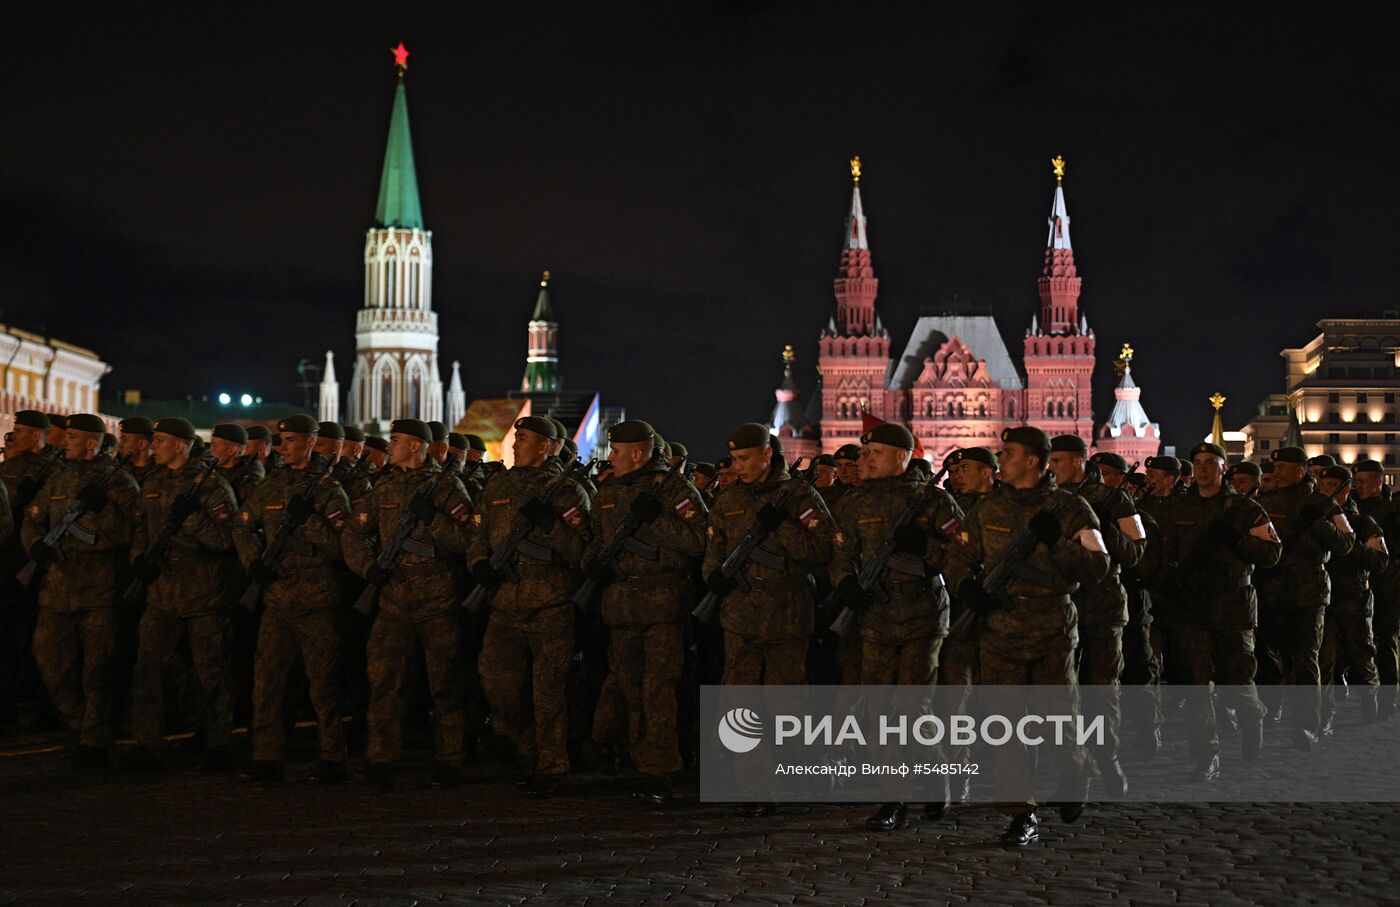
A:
x: 1217, y: 428
x: 1058, y: 162
x: 544, y: 281
x: 855, y: 169
x: 789, y: 357
x: 1125, y: 358
x: 1217, y: 400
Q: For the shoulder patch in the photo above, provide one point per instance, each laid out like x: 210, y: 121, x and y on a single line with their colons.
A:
x: 574, y: 517
x: 219, y: 511
x: 685, y: 508
x: 336, y: 518
x: 459, y: 513
x: 810, y: 518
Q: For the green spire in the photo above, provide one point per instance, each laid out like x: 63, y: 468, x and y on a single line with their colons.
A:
x: 398, y: 186
x: 543, y: 311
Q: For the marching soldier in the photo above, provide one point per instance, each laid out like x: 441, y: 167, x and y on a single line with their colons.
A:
x: 1266, y: 475
x: 259, y: 444
x: 1374, y: 500
x: 76, y: 636
x: 54, y: 437
x: 530, y: 633
x: 242, y: 471
x: 330, y: 438
x: 185, y: 598
x: 678, y: 454
x: 848, y: 465
x: 437, y: 449
x: 417, y: 604
x: 1244, y: 477
x: 724, y: 477
x: 706, y: 482
x: 135, y: 445
x: 354, y: 445
x: 300, y: 594
x: 1347, y: 640
x: 25, y: 461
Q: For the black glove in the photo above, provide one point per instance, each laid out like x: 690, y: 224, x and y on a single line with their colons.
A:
x: 720, y: 584
x: 377, y: 576
x: 144, y: 569
x: 1047, y: 529
x: 770, y: 517
x: 599, y: 572
x: 539, y: 513
x: 299, y: 509
x: 262, y: 574
x: 41, y: 553
x: 1222, y: 534
x: 976, y: 599
x: 645, y: 508
x: 1310, y: 513
x: 486, y: 575
x: 93, y: 499
x: 852, y: 595
x: 183, y: 507
x: 27, y: 489
x: 422, y: 509
x: 911, y: 540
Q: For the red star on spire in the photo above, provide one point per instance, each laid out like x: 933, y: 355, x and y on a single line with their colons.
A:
x: 400, y: 56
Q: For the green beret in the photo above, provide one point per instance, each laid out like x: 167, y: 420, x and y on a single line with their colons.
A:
x: 87, y: 422
x: 824, y: 460
x: 724, y: 462
x: 354, y: 434
x: 32, y: 418
x: 658, y: 444
x: 677, y: 449
x: 1341, y: 473
x: 1164, y: 463
x: 230, y: 432
x: 633, y: 431
x: 920, y: 467
x: 891, y: 434
x: 176, y: 428
x: 560, y: 431
x: 258, y: 433
x: 537, y: 424
x: 706, y: 469
x: 571, y: 448
x: 330, y: 430
x: 456, y: 441
x: 136, y: 425
x: 848, y: 452
x: 1322, y: 460
x: 1290, y: 455
x: 414, y: 428
x: 57, y: 421
x: 299, y: 423
x: 438, y: 431
x: 1245, y: 468
x: 1185, y: 469
x: 474, y: 442
x: 1205, y: 447
x: 1027, y: 436
x: 1368, y: 466
x: 978, y: 455
x: 750, y: 434
x: 1110, y: 459
x: 1068, y: 444
x: 1266, y: 467
x: 374, y: 442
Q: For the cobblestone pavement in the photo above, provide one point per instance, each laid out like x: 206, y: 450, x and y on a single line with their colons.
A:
x: 185, y: 837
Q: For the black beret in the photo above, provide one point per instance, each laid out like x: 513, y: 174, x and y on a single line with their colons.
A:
x: 57, y: 421
x: 824, y: 460
x: 560, y: 429
x: 633, y: 431
x: 414, y: 428
x: 354, y: 434
x: 1290, y: 455
x: 137, y: 425
x: 571, y: 448
x: 1111, y: 460
x: 1369, y: 466
x: 1164, y: 463
x: 230, y: 432
x: 331, y: 430
x: 750, y: 434
x: 1207, y: 447
x: 891, y: 434
x: 536, y: 424
x: 1027, y: 436
x: 848, y: 452
x: 658, y: 443
x: 299, y: 423
x: 978, y: 455
x: 1341, y: 473
x: 1322, y: 460
x: 176, y: 428
x: 474, y: 442
x: 706, y: 469
x: 1185, y: 469
x: 87, y: 422
x: 1245, y: 468
x: 724, y: 462
x: 438, y: 431
x: 258, y: 433
x: 373, y: 442
x: 677, y: 449
x: 456, y: 441
x: 1266, y: 467
x: 1068, y: 444
x: 32, y: 418
x: 776, y: 443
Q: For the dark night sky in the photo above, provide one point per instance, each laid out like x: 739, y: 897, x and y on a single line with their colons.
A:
x: 189, y: 194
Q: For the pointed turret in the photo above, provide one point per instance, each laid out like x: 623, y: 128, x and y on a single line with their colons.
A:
x: 456, y: 397
x: 398, y: 184
x: 1059, y: 280
x: 789, y: 421
x: 855, y: 283
x: 1128, y: 432
x: 542, y: 358
x: 329, y: 407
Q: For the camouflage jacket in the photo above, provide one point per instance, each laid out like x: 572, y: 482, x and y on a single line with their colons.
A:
x: 546, y: 562
x: 918, y: 603
x: 1382, y: 509
x: 1206, y: 578
x: 357, y: 481
x: 1300, y: 580
x: 243, y: 476
x: 1350, y: 573
x: 1105, y: 602
x: 195, y: 577
x: 311, y: 560
x: 1036, y: 606
x: 139, y: 473
x: 774, y: 598
x: 655, y: 571
x: 13, y: 472
x: 91, y: 558
x: 421, y: 584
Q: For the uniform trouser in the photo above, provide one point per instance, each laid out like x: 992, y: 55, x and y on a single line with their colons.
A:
x: 525, y: 665
x: 74, y: 651
x: 161, y: 634
x: 1347, y: 644
x: 281, y: 638
x: 914, y: 662
x: 1291, y: 639
x: 1386, y: 627
x: 393, y: 643
x: 957, y: 673
x: 1051, y: 666
x: 1226, y: 657
x: 757, y: 661
x: 1100, y: 668
x: 1142, y: 667
x: 644, y: 666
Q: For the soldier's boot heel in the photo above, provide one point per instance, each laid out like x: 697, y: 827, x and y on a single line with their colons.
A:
x: 1024, y: 829
x: 889, y: 817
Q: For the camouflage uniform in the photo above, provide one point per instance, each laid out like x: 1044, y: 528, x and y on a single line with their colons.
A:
x: 243, y: 476
x: 186, y: 600
x: 300, y: 616
x: 1211, y: 546
x: 1386, y: 587
x: 1347, y: 640
x: 75, y: 639
x: 1031, y: 638
x: 417, y: 607
x: 1293, y: 595
x: 646, y: 606
x: 139, y: 473
x: 530, y: 633
x: 1144, y: 637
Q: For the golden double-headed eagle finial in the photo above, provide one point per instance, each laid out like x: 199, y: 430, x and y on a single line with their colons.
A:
x: 788, y: 355
x: 1217, y: 400
x: 1058, y: 162
x: 855, y: 169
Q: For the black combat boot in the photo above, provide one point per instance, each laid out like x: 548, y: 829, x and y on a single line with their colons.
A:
x: 1303, y: 739
x: 655, y: 790
x: 889, y: 817
x: 1115, y: 782
x: 1071, y: 806
x: 1207, y: 768
x: 1024, y: 829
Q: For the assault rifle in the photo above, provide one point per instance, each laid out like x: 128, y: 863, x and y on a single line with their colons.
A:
x: 622, y: 537
x: 302, y: 502
x: 68, y: 522
x: 390, y: 551
x: 184, y: 506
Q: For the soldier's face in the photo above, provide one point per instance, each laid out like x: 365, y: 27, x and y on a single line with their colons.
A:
x: 26, y: 438
x: 863, y: 462
x: 1020, y: 467
x: 1112, y: 476
x: 1287, y: 474
x: 1159, y: 481
x: 351, y: 448
x: 297, y: 447
x: 438, y: 450
x: 1330, y: 486
x: 1068, y: 467
x: 1208, y: 470
x: 751, y: 463
x: 1244, y: 483
x: 826, y: 476
x: 848, y: 472
x: 376, y: 457
x: 884, y: 460
x: 472, y: 456
x: 555, y: 446
x: 1266, y: 481
x: 530, y: 447
x: 257, y: 447
x: 406, y: 450
x: 80, y: 445
x: 326, y: 447
x: 55, y: 437
x: 134, y: 446
x: 629, y: 456
x: 225, y: 452
x: 976, y: 477
x: 168, y: 450
x: 1368, y: 484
